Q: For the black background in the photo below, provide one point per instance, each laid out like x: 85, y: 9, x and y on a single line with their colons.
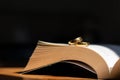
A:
x: 26, y: 21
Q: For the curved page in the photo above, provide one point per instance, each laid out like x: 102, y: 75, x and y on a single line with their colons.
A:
x: 47, y: 55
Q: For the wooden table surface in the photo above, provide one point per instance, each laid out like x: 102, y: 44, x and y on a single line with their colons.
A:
x: 10, y: 73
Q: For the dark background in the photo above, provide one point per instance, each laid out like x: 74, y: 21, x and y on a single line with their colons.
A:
x: 24, y: 22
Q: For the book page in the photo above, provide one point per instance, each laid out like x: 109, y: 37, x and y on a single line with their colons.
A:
x: 107, y: 54
x: 96, y: 56
x: 48, y: 55
x: 115, y: 73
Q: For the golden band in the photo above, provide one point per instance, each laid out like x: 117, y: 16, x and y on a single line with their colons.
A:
x: 78, y: 42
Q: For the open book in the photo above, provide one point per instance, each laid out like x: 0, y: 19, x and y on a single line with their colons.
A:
x: 97, y: 59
